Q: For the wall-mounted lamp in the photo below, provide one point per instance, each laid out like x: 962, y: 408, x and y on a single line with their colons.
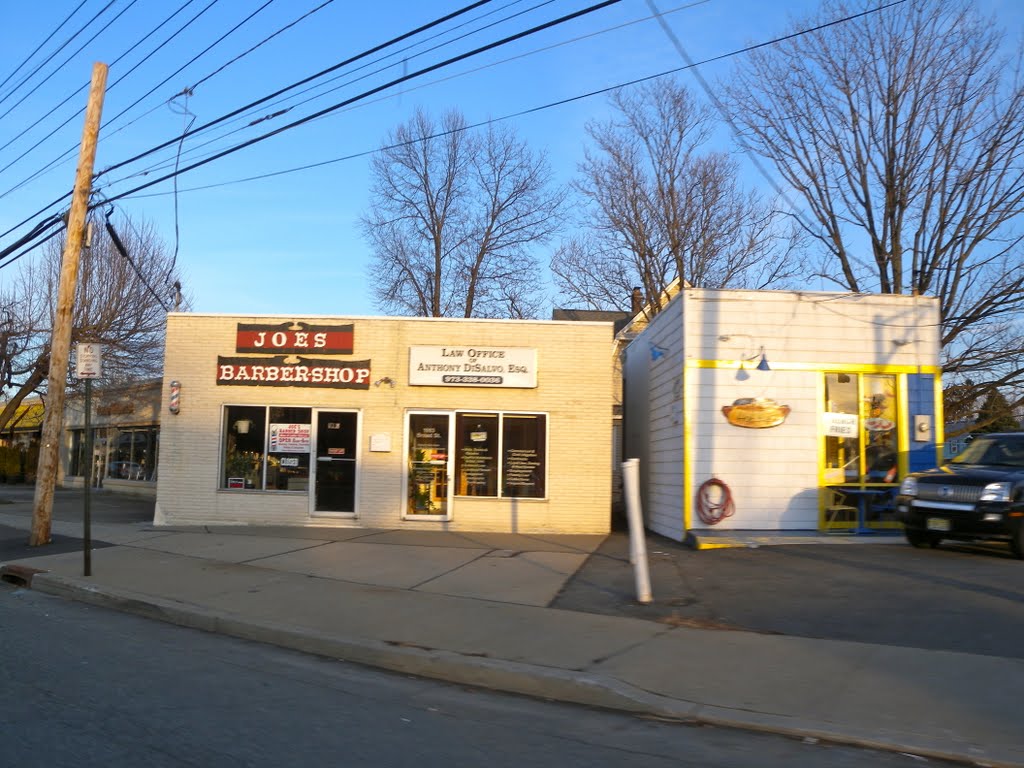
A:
x: 762, y: 365
x: 385, y: 380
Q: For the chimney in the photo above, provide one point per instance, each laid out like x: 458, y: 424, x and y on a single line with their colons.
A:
x: 636, y: 300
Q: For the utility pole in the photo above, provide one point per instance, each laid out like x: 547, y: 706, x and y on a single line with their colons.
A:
x: 60, y: 340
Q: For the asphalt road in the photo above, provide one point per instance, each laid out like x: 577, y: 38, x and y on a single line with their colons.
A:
x: 957, y: 597
x: 87, y: 687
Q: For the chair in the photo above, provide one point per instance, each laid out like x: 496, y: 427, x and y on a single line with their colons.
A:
x: 837, y: 510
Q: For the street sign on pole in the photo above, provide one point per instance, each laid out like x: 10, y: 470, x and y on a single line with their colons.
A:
x: 88, y: 366
x: 88, y: 361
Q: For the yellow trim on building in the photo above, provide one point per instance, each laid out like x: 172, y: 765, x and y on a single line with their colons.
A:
x: 821, y: 367
x: 687, y: 453
x: 903, y: 434
x: 940, y: 421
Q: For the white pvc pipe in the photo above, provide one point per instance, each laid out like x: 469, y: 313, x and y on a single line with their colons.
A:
x: 637, y: 539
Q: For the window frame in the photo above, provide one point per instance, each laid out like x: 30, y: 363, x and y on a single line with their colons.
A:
x: 265, y: 453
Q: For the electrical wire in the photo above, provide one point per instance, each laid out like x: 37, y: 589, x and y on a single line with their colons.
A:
x: 45, y: 41
x: 378, y: 89
x: 539, y: 108
x: 68, y: 153
x: 170, y: 142
x: 261, y: 43
x: 81, y: 88
x: 346, y: 62
x: 156, y: 167
x: 513, y: 115
x: 63, y: 63
x: 124, y: 252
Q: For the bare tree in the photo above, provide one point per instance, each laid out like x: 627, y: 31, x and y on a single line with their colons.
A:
x: 662, y: 207
x: 120, y: 303
x: 903, y: 133
x: 454, y: 218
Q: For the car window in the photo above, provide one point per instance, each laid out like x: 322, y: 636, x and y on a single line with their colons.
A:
x: 1004, y: 451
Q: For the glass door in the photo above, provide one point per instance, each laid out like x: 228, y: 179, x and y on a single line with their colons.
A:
x: 335, y: 482
x: 427, y: 488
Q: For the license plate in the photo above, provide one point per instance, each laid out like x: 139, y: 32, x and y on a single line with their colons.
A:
x: 938, y: 524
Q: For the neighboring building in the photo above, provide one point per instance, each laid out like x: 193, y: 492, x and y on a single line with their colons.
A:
x: 19, y: 442
x: 418, y: 423
x: 751, y: 410
x: 125, y: 422
x: 619, y: 320
x: 26, y: 426
x: 955, y: 443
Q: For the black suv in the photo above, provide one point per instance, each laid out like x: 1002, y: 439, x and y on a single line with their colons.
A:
x: 977, y: 495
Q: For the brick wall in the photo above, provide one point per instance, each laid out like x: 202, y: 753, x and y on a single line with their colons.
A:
x: 574, y: 389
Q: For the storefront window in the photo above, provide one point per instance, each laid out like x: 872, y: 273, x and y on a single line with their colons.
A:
x: 132, y: 453
x: 523, y: 460
x: 860, y: 423
x: 266, y: 448
x: 476, y: 454
x: 127, y: 453
x: 244, y: 444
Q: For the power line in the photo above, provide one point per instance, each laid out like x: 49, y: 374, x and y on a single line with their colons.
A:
x: 277, y: 93
x: 261, y: 43
x: 192, y: 151
x: 378, y: 89
x: 520, y: 113
x: 45, y: 41
x: 61, y: 65
x: 170, y: 142
x: 523, y: 112
x: 83, y: 87
x: 124, y: 252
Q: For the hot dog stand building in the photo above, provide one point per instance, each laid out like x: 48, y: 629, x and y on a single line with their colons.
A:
x: 470, y: 425
x: 780, y: 410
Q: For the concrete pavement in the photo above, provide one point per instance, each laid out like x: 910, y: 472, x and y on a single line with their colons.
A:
x: 473, y: 609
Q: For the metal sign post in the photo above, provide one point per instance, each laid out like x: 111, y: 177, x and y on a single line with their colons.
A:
x: 88, y: 366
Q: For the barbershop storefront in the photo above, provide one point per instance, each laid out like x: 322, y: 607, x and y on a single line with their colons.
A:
x: 471, y: 425
x: 781, y: 410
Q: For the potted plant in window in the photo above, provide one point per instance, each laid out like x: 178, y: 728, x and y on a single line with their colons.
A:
x: 420, y: 501
x: 245, y: 465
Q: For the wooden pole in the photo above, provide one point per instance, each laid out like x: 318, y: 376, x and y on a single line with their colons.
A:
x: 60, y: 340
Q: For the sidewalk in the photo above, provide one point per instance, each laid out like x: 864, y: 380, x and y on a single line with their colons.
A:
x: 471, y: 609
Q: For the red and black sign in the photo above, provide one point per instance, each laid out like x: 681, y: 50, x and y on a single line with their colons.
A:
x: 307, y: 372
x: 295, y: 338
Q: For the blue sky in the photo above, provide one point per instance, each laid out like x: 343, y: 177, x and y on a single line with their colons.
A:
x: 290, y: 244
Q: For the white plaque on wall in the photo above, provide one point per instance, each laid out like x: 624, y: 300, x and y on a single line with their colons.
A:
x: 380, y: 442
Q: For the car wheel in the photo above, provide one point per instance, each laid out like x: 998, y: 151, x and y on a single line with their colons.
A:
x: 1017, y: 543
x: 920, y: 539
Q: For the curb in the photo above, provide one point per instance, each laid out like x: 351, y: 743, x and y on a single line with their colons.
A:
x: 588, y: 689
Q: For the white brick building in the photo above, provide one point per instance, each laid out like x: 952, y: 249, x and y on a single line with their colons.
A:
x: 472, y: 425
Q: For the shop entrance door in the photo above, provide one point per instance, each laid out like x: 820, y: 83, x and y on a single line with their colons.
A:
x: 428, y: 491
x: 335, y: 480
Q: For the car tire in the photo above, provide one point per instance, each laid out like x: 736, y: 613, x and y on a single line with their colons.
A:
x: 921, y: 539
x: 1017, y: 543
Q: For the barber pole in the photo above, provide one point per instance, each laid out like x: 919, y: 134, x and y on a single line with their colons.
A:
x: 175, y: 405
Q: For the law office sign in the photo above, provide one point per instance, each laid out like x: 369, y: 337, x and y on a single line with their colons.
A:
x: 473, y: 366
